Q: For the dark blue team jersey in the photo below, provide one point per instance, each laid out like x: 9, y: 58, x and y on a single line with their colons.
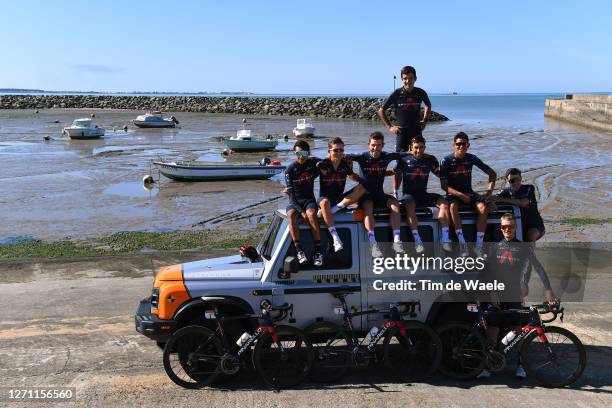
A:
x: 300, y: 179
x: 373, y: 171
x: 408, y: 108
x: 458, y: 172
x: 531, y: 216
x: 332, y: 181
x: 415, y: 172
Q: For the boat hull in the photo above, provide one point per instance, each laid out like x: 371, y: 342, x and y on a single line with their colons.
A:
x: 153, y: 125
x: 185, y: 172
x: 251, y: 145
x: 306, y: 132
x: 84, y: 134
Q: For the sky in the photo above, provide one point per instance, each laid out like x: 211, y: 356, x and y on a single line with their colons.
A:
x: 307, y: 47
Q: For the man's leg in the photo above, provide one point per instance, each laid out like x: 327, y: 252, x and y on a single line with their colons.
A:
x: 443, y: 219
x: 369, y: 224
x: 311, y: 214
x: 481, y: 227
x: 395, y: 219
x: 351, y: 198
x: 454, y: 213
x: 325, y: 205
x: 413, y: 223
x: 294, y: 231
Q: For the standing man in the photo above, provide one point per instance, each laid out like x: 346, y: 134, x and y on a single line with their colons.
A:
x: 456, y: 180
x: 299, y: 177
x: 373, y: 165
x: 407, y: 102
x: 334, y: 171
x: 414, y: 170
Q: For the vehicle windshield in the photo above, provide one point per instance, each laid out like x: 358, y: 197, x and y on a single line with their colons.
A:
x: 269, y: 240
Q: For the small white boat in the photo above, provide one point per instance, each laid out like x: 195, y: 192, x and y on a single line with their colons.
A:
x: 199, y: 171
x: 155, y: 120
x: 83, y: 129
x: 304, y: 128
x: 244, y: 142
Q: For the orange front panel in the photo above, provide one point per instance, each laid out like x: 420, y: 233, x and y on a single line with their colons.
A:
x: 169, y: 273
x: 171, y: 296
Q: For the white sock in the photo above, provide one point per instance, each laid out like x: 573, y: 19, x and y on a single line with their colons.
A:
x: 337, y: 208
x: 445, y: 234
x: 480, y: 237
x: 371, y: 238
x: 396, y: 236
x: 334, y: 233
x: 416, y: 236
x: 459, y: 233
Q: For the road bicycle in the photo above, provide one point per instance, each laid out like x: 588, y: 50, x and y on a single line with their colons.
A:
x: 411, y: 350
x: 552, y: 355
x: 196, y: 356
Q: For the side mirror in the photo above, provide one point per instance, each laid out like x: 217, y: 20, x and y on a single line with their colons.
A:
x: 290, y: 265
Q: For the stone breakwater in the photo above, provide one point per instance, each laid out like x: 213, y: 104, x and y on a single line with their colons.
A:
x: 327, y: 107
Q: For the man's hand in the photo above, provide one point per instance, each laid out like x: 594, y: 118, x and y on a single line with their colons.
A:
x: 524, y: 202
x: 394, y: 129
x: 286, y: 191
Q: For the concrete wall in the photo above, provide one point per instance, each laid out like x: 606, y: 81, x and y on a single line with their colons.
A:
x: 594, y: 111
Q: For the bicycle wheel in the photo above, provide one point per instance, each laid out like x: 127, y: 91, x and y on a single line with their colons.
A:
x: 557, y: 366
x: 192, y: 355
x: 414, y: 356
x: 463, y: 350
x: 332, y: 347
x: 287, y: 361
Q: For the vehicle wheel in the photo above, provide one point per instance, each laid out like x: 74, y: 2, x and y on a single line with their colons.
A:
x: 463, y: 350
x: 285, y: 362
x: 191, y: 356
x: 557, y: 362
x: 332, y: 347
x: 414, y: 356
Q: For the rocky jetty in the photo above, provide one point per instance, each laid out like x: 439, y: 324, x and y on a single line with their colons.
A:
x: 325, y: 107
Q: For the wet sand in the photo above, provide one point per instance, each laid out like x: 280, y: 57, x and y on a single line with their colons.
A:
x: 82, y: 189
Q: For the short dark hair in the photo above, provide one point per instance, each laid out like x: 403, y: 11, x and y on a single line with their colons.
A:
x: 418, y: 139
x: 333, y: 141
x: 407, y: 70
x: 302, y: 144
x: 376, y: 135
x: 508, y: 216
x: 461, y: 136
x: 513, y: 171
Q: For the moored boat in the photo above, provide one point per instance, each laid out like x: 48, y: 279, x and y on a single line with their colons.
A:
x: 83, y: 129
x: 155, y: 120
x: 244, y: 142
x: 199, y: 171
x: 304, y: 128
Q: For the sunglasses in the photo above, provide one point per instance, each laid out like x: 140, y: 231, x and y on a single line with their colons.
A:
x: 337, y: 150
x: 461, y: 144
x: 302, y: 153
x: 508, y: 227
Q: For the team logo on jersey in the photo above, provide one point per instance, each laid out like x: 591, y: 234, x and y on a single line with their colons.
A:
x: 375, y: 168
x: 334, y: 178
x: 461, y: 170
x: 419, y: 172
x: 305, y: 177
x: 506, y: 258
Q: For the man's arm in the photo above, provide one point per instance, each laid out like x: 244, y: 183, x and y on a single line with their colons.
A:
x: 426, y: 110
x: 289, y: 182
x: 383, y: 116
x: 490, y: 172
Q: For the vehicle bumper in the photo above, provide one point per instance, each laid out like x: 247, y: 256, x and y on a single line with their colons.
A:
x: 152, y: 326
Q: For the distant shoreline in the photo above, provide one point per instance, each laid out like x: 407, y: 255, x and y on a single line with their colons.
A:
x: 325, y: 107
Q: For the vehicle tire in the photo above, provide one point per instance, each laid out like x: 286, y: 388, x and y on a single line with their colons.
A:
x: 192, y: 355
x: 563, y: 367
x: 286, y: 362
x: 463, y: 350
x: 332, y: 347
x: 415, y: 356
